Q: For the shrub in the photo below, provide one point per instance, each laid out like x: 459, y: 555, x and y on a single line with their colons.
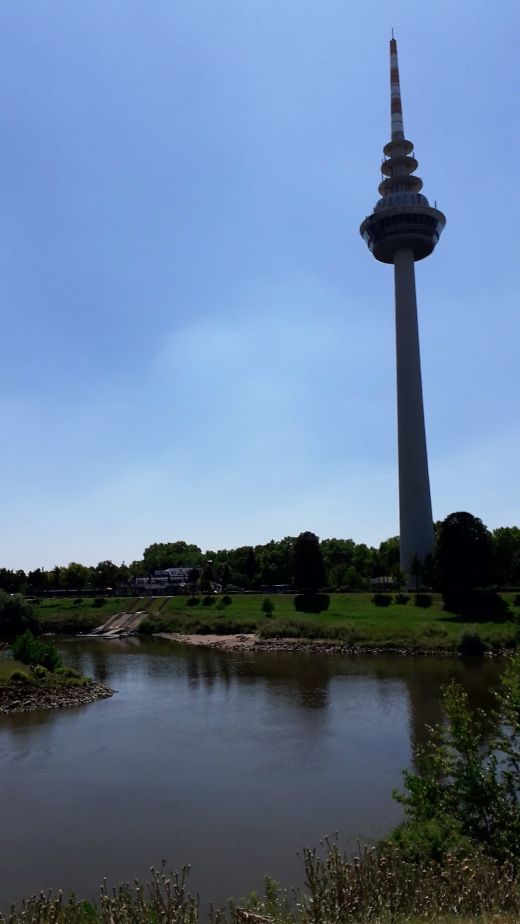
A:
x: 423, y: 600
x: 380, y: 599
x: 227, y: 601
x: 267, y: 607
x: 402, y: 599
x: 20, y: 676
x: 78, y: 601
x: 147, y: 627
x: 192, y: 601
x: 70, y: 672
x: 31, y: 650
x: 477, y: 605
x: 470, y: 786
x: 208, y: 601
x: 39, y: 671
x: 98, y: 601
x: 311, y: 603
x: 470, y: 643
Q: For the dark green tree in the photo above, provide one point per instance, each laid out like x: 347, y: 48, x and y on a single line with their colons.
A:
x: 309, y: 570
x: 178, y: 554
x: 13, y: 582
x: 106, y: 574
x: 16, y: 615
x: 36, y: 581
x: 506, y: 556
x: 463, y: 553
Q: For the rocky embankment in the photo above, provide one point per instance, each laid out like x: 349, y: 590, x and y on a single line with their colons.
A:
x: 25, y: 697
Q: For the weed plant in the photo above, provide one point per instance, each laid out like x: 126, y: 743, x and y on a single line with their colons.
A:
x: 367, y: 889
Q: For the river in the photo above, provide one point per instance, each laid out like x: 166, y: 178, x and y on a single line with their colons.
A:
x: 230, y: 762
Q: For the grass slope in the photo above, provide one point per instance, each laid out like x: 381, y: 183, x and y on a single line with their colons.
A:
x: 351, y: 618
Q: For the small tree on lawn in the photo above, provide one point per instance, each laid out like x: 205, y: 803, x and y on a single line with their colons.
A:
x: 268, y: 607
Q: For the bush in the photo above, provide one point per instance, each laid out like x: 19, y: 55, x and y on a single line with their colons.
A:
x: 382, y: 599
x: 20, y: 677
x: 70, y: 672
x: 470, y: 643
x: 402, y: 599
x: 39, y: 671
x: 208, y: 601
x: 227, y: 601
x: 311, y: 603
x: 78, y: 601
x: 98, y: 601
x: 477, y: 605
x: 291, y: 628
x: 423, y: 600
x: 32, y: 651
x: 192, y: 601
x: 267, y: 607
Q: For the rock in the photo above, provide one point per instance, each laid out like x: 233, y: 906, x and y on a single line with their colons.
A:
x: 32, y: 696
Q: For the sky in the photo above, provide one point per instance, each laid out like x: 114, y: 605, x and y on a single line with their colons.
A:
x: 197, y: 343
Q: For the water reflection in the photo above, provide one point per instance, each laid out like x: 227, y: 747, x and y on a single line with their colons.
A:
x: 302, y: 680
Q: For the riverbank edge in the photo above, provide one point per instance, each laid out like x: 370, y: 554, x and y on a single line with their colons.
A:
x: 247, y: 642
x: 27, y: 697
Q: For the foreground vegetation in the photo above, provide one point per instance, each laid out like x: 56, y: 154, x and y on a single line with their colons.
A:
x: 339, y: 890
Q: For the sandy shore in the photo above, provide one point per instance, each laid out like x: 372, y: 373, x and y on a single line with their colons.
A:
x: 251, y: 642
x: 224, y: 642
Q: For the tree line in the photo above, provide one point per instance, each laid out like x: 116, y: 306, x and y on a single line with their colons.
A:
x: 467, y: 555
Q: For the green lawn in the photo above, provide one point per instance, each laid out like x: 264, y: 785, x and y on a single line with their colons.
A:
x: 7, y: 666
x: 349, y: 617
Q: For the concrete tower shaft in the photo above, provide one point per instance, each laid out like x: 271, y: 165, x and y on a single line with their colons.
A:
x: 404, y: 228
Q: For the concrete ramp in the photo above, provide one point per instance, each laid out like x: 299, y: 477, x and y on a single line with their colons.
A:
x: 120, y: 624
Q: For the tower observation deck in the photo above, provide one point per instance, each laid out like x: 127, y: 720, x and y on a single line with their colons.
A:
x: 404, y: 228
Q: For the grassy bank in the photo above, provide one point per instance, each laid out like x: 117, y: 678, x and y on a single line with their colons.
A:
x: 12, y: 671
x: 351, y: 619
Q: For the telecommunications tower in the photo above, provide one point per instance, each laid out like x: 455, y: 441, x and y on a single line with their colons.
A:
x: 404, y: 228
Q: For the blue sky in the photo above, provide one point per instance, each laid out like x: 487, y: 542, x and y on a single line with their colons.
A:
x: 196, y: 342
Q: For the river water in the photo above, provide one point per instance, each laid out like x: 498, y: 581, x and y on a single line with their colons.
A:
x: 230, y: 762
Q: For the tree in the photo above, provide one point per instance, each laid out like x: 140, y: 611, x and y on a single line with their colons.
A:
x: 309, y: 570
x: 178, y: 554
x: 464, y: 789
x: 267, y: 607
x: 16, y: 615
x: 463, y: 553
x: 75, y: 576
x: 13, y: 582
x: 506, y: 556
x: 33, y: 651
x: 106, y: 574
x: 37, y: 581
